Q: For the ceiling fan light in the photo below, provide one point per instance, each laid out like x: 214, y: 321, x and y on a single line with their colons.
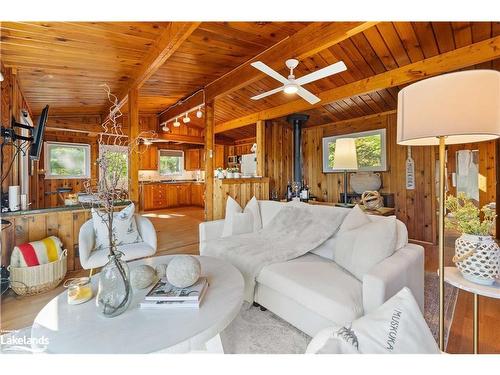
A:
x: 186, y: 119
x: 177, y: 123
x: 291, y: 88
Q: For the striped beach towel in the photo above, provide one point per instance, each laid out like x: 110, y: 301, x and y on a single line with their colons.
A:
x: 35, y: 253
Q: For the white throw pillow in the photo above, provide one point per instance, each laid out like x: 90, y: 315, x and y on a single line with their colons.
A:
x: 252, y: 207
x: 124, y: 228
x: 354, y: 219
x: 239, y: 224
x: 327, y: 248
x: 396, y: 327
x: 360, y: 249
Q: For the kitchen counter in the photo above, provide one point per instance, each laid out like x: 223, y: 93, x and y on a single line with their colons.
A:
x: 76, y: 207
x: 172, y: 182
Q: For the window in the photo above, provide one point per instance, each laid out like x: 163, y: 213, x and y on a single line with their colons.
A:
x: 171, y: 162
x: 67, y: 160
x: 370, y: 150
x: 119, y: 156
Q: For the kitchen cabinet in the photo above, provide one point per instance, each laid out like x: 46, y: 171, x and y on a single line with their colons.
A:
x: 220, y: 156
x: 193, y: 159
x: 148, y: 159
x: 157, y: 196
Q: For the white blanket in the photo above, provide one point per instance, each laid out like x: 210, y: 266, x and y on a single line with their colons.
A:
x: 295, y: 230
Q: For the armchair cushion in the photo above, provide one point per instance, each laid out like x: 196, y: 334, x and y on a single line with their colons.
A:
x: 124, y: 228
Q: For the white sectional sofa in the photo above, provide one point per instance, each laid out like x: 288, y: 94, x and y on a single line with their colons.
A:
x: 312, y: 292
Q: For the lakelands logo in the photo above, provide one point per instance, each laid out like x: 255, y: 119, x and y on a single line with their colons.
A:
x: 393, y: 329
x: 12, y: 341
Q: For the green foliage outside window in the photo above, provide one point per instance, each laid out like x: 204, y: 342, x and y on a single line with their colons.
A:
x: 170, y: 164
x: 67, y: 161
x: 117, y: 161
x: 368, y: 151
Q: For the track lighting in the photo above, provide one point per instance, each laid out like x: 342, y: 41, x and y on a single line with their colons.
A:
x: 177, y: 123
x: 165, y: 127
x: 199, y: 113
x: 186, y: 119
x: 1, y: 77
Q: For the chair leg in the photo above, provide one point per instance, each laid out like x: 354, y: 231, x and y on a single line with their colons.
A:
x: 262, y: 308
x: 91, y: 272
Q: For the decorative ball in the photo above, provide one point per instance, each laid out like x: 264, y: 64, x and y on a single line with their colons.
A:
x: 372, y: 200
x: 183, y: 271
x: 142, y: 276
x: 161, y: 270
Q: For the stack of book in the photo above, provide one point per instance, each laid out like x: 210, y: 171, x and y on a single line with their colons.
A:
x: 166, y: 296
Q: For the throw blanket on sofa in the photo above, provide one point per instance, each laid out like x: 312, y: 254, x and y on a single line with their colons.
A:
x: 295, y: 230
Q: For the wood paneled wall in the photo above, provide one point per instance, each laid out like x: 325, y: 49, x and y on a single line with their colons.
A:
x: 11, y: 104
x: 279, y: 155
x: 241, y: 190
x: 414, y: 207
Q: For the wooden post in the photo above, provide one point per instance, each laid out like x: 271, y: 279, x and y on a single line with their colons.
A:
x: 133, y: 164
x: 209, y: 160
x: 261, y: 147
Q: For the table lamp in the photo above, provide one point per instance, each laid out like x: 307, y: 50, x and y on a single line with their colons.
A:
x: 345, y: 158
x: 461, y: 107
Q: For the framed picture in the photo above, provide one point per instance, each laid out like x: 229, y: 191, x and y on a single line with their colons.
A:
x: 370, y: 149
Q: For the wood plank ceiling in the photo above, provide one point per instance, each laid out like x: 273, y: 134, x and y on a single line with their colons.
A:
x: 62, y: 64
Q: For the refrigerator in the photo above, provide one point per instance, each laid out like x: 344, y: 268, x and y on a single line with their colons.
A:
x: 248, y: 165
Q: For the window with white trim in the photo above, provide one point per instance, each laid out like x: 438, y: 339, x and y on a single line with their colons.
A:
x: 67, y: 160
x: 171, y: 162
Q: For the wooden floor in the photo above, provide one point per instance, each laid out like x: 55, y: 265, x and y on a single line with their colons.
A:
x: 177, y: 231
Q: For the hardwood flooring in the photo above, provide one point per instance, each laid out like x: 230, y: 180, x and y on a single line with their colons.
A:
x: 177, y: 231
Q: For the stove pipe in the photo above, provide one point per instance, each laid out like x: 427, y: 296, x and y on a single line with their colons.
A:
x: 297, y: 120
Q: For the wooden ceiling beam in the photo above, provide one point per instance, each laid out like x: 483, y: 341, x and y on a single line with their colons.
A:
x: 477, y: 53
x: 167, y: 43
x: 307, y: 42
x: 181, y: 138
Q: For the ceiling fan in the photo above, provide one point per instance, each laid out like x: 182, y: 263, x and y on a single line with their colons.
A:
x: 291, y: 85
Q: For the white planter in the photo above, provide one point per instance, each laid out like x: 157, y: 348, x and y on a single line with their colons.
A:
x: 365, y: 181
x: 477, y: 258
x: 219, y: 175
x: 229, y: 175
x: 237, y: 175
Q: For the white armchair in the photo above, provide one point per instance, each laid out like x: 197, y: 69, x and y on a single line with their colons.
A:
x: 90, y: 258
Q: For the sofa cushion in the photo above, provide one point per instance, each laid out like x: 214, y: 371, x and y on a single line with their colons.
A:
x: 317, y: 284
x: 98, y: 258
x: 354, y: 219
x: 268, y: 210
x: 236, y: 223
x: 253, y: 209
x: 360, y: 249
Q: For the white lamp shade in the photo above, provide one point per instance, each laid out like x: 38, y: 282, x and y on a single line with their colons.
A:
x: 345, y: 154
x: 464, y: 107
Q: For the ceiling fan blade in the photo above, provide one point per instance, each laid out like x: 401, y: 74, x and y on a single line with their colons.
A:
x: 322, y: 73
x: 267, y: 93
x: 269, y: 71
x: 308, y: 96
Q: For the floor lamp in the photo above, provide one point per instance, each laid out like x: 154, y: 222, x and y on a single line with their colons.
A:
x: 462, y: 107
x: 345, y: 158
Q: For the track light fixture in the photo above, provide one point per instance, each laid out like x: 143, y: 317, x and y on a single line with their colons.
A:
x: 199, y: 113
x: 165, y: 127
x: 186, y: 119
x: 177, y: 123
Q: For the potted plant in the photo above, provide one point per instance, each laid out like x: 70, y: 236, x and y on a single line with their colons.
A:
x: 219, y: 173
x: 476, y: 252
x: 230, y: 173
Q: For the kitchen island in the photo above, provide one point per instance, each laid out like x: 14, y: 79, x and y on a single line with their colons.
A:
x: 157, y: 195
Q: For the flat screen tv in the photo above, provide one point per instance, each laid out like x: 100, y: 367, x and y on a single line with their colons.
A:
x: 38, y: 132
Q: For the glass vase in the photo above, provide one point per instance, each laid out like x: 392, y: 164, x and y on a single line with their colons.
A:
x: 115, y: 292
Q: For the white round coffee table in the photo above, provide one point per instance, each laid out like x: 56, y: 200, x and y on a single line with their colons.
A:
x: 81, y: 329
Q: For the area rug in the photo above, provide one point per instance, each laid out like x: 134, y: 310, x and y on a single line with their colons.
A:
x: 261, y: 332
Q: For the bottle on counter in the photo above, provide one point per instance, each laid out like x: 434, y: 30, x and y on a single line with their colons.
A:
x: 304, y: 192
x: 289, y: 193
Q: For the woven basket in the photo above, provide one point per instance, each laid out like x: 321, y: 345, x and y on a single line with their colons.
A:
x: 477, y: 258
x: 27, y: 281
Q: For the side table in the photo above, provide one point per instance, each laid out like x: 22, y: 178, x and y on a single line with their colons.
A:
x: 453, y: 277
